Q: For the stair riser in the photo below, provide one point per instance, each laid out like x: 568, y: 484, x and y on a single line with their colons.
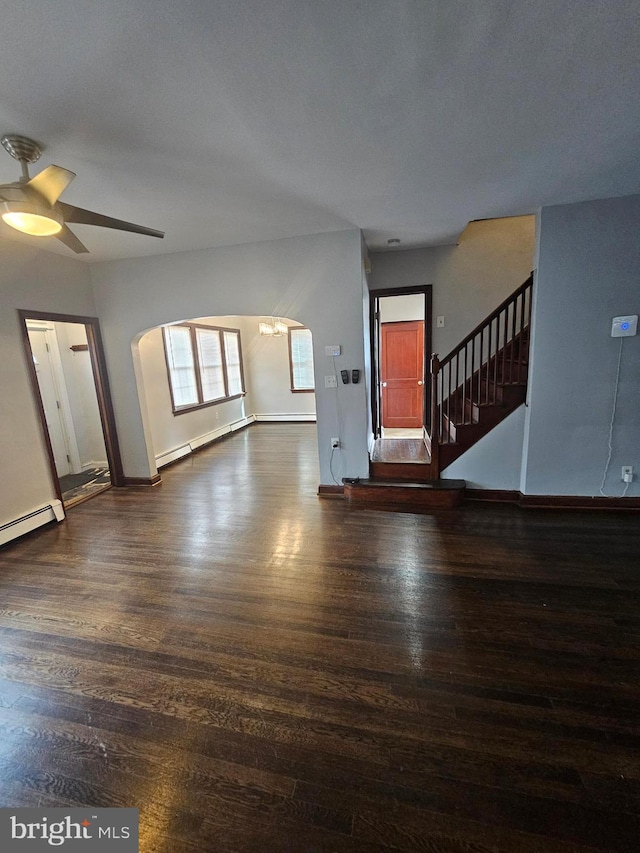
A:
x: 401, y: 471
x: 402, y: 499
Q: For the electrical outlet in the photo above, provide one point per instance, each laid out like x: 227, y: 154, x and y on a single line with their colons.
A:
x: 335, y: 443
x: 331, y: 381
x: 627, y: 473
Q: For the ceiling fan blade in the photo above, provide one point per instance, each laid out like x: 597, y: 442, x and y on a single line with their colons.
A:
x: 88, y: 217
x: 69, y: 239
x: 51, y: 182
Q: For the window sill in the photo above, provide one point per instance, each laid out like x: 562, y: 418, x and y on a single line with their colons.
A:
x: 197, y: 406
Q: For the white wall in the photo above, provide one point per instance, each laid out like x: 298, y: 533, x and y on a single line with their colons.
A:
x: 37, y: 281
x: 315, y: 279
x: 469, y: 280
x: 81, y: 391
x: 395, y: 309
x: 588, y: 272
x: 268, y: 377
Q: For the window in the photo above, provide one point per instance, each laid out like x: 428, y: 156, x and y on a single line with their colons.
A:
x: 204, y: 364
x: 301, y: 359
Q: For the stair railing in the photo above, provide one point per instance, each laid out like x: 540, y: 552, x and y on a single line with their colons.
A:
x: 491, y: 356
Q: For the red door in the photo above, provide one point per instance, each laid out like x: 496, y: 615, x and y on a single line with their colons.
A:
x: 402, y: 374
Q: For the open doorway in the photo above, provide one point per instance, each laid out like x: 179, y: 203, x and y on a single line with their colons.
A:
x: 204, y: 378
x: 401, y: 345
x: 70, y: 385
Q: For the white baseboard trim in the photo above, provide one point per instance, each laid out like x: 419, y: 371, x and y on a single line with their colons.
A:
x: 208, y: 437
x: 172, y: 455
x: 185, y: 449
x: 293, y: 416
x: 53, y: 511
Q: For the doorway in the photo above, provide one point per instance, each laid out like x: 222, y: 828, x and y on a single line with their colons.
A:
x: 400, y: 346
x: 66, y: 365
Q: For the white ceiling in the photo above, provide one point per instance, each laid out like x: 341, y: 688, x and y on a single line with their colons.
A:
x: 229, y: 121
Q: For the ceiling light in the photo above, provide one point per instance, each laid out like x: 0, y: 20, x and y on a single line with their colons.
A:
x: 274, y: 329
x: 31, y: 218
x: 393, y: 241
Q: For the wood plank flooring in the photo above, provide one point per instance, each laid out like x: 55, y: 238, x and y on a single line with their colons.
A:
x: 400, y: 450
x: 256, y: 669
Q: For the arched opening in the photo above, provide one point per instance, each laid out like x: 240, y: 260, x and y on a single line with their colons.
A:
x: 202, y: 378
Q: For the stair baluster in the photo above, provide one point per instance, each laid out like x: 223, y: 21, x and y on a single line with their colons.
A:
x: 491, y: 376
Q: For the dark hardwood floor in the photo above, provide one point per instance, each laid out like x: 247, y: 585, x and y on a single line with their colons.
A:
x: 256, y: 669
x: 400, y: 450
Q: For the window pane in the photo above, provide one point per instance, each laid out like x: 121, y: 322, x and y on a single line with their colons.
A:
x: 300, y: 344
x: 210, y: 357
x: 232, y: 354
x: 181, y: 366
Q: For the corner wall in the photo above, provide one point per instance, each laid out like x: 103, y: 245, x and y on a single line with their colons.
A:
x: 588, y: 272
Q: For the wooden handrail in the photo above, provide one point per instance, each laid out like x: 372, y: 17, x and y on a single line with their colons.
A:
x: 487, y: 320
x: 476, y: 371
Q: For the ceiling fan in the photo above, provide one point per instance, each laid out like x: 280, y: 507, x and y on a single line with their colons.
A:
x: 31, y: 205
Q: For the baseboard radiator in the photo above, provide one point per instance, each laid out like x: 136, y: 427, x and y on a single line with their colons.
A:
x: 300, y: 417
x: 53, y: 511
x: 184, y: 450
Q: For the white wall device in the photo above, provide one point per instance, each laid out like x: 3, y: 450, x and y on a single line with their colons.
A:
x: 332, y: 350
x: 624, y: 327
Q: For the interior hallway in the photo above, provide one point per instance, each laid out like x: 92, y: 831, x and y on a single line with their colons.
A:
x: 257, y: 669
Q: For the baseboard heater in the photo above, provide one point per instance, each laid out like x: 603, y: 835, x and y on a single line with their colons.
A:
x: 53, y: 511
x: 301, y: 417
x: 201, y: 440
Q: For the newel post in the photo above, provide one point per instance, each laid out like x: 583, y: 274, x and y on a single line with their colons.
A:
x: 435, y: 426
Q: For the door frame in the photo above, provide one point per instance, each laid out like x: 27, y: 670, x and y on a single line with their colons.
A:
x: 374, y: 336
x: 100, y: 378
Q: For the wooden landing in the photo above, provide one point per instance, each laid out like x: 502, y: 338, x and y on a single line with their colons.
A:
x: 401, y: 459
x: 405, y: 496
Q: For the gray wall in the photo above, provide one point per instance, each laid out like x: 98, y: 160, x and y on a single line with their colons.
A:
x: 315, y: 279
x: 495, y: 461
x: 469, y: 280
x: 588, y: 272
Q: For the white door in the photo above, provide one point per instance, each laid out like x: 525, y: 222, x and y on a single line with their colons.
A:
x: 50, y: 401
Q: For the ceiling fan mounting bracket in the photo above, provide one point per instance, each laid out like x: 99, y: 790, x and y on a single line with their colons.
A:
x: 21, y: 148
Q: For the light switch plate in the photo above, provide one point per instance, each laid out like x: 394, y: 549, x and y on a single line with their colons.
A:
x: 440, y: 322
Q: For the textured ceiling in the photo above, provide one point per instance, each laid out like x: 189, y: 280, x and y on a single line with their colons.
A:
x: 229, y: 121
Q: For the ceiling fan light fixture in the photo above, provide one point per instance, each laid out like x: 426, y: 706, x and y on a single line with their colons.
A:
x: 31, y: 218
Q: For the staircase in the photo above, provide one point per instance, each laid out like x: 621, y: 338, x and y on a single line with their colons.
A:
x: 480, y: 381
x: 472, y: 389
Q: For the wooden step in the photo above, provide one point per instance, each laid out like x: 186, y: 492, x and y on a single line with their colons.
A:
x: 416, y: 472
x: 404, y: 496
